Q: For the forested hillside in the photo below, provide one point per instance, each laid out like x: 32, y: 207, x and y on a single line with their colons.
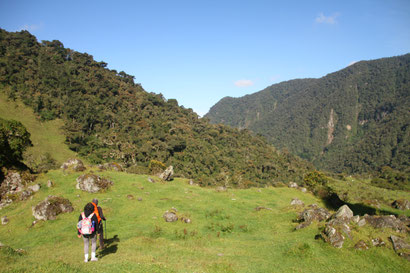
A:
x: 108, y: 117
x: 355, y: 120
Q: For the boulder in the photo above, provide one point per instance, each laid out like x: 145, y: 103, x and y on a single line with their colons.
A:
x: 24, y: 195
x: 401, y: 246
x: 12, y: 183
x: 296, y: 202
x: 76, y: 164
x: 92, y: 183
x: 4, y: 220
x: 343, y: 213
x: 151, y: 180
x: 168, y: 174
x: 51, y: 207
x: 304, y: 190
x: 361, y: 222
x: 401, y: 204
x: 333, y: 236
x: 170, y: 216
x: 341, y: 225
x: 386, y: 221
x: 361, y: 245
x: 34, y: 188
x: 314, y: 214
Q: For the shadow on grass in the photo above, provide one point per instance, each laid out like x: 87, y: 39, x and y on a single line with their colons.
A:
x: 111, y: 246
x: 334, y: 202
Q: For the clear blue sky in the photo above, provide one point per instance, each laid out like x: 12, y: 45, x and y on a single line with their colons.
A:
x: 201, y: 51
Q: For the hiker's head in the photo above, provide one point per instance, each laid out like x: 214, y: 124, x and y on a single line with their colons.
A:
x: 95, y: 201
x: 88, y: 209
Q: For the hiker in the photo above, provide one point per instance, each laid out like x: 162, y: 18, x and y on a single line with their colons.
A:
x: 98, y: 211
x: 87, y: 223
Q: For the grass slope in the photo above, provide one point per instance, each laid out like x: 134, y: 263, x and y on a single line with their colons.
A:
x: 45, y: 136
x: 226, y: 234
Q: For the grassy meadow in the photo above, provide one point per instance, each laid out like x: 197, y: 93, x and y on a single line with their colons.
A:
x: 226, y: 234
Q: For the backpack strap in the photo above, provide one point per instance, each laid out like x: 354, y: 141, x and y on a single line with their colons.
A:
x: 82, y: 215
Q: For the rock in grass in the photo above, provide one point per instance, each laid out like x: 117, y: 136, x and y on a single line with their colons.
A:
x: 293, y: 185
x: 386, y: 221
x: 50, y: 183
x: 333, y: 236
x: 343, y: 213
x: 34, y: 188
x: 170, y: 216
x: 378, y: 242
x: 76, y: 164
x: 361, y: 245
x: 51, y: 207
x: 401, y: 204
x: 130, y: 197
x: 400, y: 246
x: 168, y: 174
x: 297, y: 202
x: 92, y: 183
x: 4, y: 220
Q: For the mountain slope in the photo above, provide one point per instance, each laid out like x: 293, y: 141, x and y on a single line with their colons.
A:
x: 108, y: 117
x: 354, y: 120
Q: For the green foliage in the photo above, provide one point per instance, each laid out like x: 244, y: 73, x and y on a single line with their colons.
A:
x: 315, y: 178
x: 108, y: 117
x: 391, y: 179
x: 156, y: 166
x: 14, y: 139
x: 355, y: 120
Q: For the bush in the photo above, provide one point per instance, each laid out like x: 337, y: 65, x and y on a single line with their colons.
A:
x: 156, y: 167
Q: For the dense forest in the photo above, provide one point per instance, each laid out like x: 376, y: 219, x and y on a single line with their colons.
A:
x: 355, y: 120
x: 109, y: 117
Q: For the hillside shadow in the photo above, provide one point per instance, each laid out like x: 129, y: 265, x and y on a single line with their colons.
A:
x: 111, y: 246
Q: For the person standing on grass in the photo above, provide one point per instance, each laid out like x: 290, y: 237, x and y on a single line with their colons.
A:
x: 100, y: 216
x: 87, y: 223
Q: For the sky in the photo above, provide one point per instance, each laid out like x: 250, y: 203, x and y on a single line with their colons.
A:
x: 201, y: 51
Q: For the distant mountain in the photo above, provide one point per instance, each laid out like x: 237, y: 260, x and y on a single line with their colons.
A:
x: 354, y: 120
x: 108, y: 117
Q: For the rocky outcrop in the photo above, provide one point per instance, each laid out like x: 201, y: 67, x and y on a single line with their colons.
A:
x: 344, y: 213
x: 12, y: 184
x: 333, y: 236
x: 75, y: 164
x: 401, y: 204
x: 313, y: 213
x: 386, y: 221
x: 34, y: 188
x: 51, y: 207
x: 92, y: 183
x: 168, y: 174
x: 13, y: 188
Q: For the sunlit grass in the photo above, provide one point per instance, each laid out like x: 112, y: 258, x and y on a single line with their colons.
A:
x: 226, y: 234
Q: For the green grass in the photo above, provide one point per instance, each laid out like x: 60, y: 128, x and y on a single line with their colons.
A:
x: 226, y: 233
x: 47, y: 137
x: 359, y: 191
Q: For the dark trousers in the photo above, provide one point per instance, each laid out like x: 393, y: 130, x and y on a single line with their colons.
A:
x: 101, y: 235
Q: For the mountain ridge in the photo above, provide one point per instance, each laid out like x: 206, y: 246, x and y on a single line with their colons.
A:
x: 295, y: 115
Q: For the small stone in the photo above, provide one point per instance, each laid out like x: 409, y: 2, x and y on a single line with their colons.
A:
x: 220, y: 189
x: 170, y: 216
x: 50, y: 183
x: 378, y: 242
x: 361, y: 222
x: 361, y: 245
x: 296, y: 202
x: 130, y: 197
x: 304, y: 190
x: 220, y: 254
x: 34, y: 188
x: 151, y: 180
x: 187, y: 220
x: 191, y: 182
x: 4, y: 220
x: 293, y: 185
x: 1, y: 245
x: 139, y: 199
x: 356, y: 219
x: 259, y: 190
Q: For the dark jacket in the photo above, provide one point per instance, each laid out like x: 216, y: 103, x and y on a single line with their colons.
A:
x: 94, y: 220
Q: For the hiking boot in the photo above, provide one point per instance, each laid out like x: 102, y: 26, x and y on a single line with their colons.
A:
x: 86, y: 260
x: 94, y: 259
